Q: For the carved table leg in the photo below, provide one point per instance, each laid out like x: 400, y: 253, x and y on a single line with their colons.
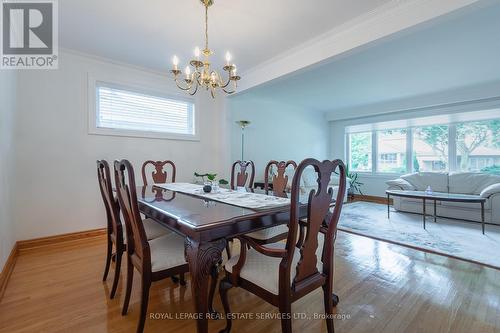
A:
x: 201, y: 259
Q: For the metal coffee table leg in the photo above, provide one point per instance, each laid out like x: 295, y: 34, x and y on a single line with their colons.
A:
x: 423, y: 200
x: 388, y: 207
x: 435, y: 211
x: 482, y: 216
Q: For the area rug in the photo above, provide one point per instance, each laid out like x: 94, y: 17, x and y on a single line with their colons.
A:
x: 453, y: 238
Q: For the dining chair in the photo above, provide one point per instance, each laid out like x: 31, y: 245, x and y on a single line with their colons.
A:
x: 280, y: 187
x: 241, y: 178
x: 282, y: 273
x: 158, y: 175
x: 155, y: 259
x: 115, y: 230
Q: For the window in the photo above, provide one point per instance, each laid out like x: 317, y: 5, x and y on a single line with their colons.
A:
x: 391, y: 151
x: 360, y: 151
x: 466, y: 142
x: 430, y: 148
x: 478, y: 146
x: 128, y: 112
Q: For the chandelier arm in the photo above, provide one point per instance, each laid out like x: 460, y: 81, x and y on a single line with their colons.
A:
x: 229, y: 92
x: 198, y: 79
x: 227, y: 83
x: 195, y: 90
x: 188, y: 86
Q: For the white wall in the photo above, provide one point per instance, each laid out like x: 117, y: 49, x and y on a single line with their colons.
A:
x: 56, y: 187
x: 277, y: 132
x: 7, y: 112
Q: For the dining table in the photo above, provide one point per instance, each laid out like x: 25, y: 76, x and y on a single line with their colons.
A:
x: 207, y: 225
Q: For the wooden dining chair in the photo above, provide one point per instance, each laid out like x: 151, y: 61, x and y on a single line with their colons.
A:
x: 239, y: 175
x: 280, y: 187
x: 159, y: 175
x: 114, y: 226
x: 283, y: 273
x: 155, y: 259
x: 115, y: 231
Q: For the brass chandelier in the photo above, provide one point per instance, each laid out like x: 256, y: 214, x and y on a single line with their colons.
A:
x: 202, y: 75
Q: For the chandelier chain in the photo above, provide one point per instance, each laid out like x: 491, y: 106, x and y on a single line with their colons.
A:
x: 206, y: 27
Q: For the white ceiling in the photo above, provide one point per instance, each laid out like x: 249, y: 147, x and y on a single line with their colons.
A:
x: 148, y: 33
x: 453, y: 56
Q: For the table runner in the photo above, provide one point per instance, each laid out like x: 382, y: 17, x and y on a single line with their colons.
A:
x: 250, y: 200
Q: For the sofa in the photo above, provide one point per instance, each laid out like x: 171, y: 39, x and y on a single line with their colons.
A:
x: 308, y: 181
x: 480, y: 184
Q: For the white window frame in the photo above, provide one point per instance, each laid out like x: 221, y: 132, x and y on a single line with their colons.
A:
x: 374, y: 171
x: 93, y: 129
x: 348, y: 152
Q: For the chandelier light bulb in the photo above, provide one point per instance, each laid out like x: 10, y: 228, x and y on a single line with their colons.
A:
x: 175, y: 61
x: 228, y: 58
x: 197, y: 52
x: 234, y: 70
x: 188, y: 72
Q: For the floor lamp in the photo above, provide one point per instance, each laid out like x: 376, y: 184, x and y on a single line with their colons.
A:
x: 243, y: 124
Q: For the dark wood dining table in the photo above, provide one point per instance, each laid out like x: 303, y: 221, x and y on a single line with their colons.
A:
x: 206, y: 226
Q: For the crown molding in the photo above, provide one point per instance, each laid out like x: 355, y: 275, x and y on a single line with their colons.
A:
x: 386, y: 20
x: 89, y: 56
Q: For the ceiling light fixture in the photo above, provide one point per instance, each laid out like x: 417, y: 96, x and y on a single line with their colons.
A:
x: 202, y: 75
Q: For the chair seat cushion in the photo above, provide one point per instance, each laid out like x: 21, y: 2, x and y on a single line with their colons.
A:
x: 167, y: 252
x: 268, y: 233
x: 263, y: 270
x: 152, y: 228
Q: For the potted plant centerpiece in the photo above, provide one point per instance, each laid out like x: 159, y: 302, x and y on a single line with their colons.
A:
x: 210, y: 184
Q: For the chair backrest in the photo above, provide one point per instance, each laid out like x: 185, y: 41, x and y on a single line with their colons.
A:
x: 158, y: 175
x: 159, y: 194
x: 319, y: 218
x: 240, y: 179
x: 137, y: 243
x: 280, y: 179
x: 110, y: 202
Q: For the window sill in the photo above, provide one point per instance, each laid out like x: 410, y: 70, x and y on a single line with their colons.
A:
x: 143, y: 134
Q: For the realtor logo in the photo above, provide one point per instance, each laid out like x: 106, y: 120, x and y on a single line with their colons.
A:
x: 29, y: 34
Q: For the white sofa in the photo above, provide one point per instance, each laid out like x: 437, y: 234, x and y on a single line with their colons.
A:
x: 484, y: 185
x: 308, y: 181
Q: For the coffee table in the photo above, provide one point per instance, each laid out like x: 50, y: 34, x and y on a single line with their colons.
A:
x: 436, y: 196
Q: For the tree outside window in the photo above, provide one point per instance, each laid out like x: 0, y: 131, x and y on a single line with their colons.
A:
x: 360, y: 151
x: 430, y: 148
x: 478, y: 146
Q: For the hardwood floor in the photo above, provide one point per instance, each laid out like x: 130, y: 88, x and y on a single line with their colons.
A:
x: 382, y: 287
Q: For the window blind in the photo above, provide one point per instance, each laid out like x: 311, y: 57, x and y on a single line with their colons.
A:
x: 129, y: 110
